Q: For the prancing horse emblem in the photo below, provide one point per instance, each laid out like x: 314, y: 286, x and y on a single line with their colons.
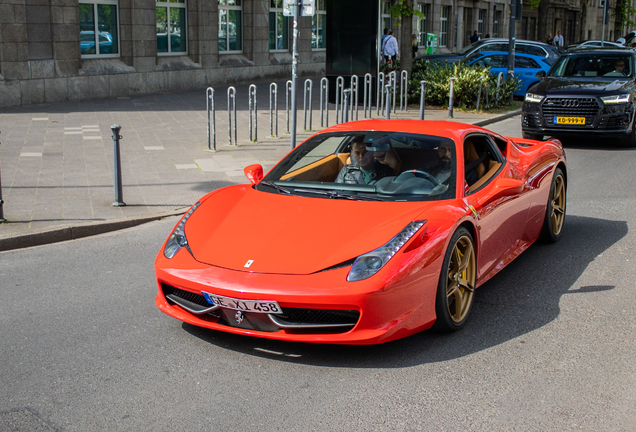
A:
x: 239, y: 317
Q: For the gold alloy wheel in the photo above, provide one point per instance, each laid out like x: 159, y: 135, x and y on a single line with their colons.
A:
x: 558, y: 205
x: 460, y: 285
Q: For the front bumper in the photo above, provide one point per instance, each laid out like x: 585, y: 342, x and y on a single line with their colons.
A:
x: 540, y: 118
x: 379, y: 309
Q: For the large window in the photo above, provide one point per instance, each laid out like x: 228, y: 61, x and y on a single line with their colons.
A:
x: 443, y: 33
x: 319, y: 26
x: 386, y: 15
x: 278, y: 27
x: 172, y: 34
x: 99, y: 28
x: 495, y: 24
x: 230, y: 26
x: 421, y: 24
x: 480, y: 22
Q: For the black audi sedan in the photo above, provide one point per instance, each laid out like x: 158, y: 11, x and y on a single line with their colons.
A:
x: 586, y: 92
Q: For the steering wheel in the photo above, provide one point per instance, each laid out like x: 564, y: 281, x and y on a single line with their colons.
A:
x: 428, y: 176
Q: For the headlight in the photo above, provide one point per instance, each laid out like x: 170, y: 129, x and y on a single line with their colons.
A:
x: 533, y: 98
x: 369, y: 264
x: 617, y: 99
x: 178, y: 239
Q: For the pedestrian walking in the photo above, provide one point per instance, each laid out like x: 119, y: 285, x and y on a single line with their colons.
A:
x: 390, y: 47
x: 558, y: 39
x: 549, y: 40
x: 474, y: 37
x: 414, y: 47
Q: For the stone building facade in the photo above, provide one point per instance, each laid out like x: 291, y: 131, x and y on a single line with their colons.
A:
x: 56, y: 50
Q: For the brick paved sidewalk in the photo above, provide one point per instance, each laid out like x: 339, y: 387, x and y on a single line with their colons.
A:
x: 56, y: 160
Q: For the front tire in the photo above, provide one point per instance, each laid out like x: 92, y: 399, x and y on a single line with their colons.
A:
x: 630, y: 139
x: 456, y: 287
x: 555, y: 210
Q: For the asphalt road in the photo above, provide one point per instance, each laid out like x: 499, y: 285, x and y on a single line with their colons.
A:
x: 549, y: 346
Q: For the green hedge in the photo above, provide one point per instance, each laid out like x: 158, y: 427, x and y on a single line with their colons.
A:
x: 467, y: 80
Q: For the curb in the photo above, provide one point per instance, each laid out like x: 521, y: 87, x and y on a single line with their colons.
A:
x: 498, y: 118
x: 71, y: 232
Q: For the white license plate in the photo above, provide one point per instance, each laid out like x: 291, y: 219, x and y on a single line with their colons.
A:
x: 256, y: 306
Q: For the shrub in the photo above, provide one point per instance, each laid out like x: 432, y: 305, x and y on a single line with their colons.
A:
x: 466, y: 88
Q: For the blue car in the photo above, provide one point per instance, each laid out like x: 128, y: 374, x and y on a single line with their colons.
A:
x: 87, y: 42
x: 526, y: 66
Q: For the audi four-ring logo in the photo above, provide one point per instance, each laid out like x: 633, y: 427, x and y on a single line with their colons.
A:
x: 570, y: 103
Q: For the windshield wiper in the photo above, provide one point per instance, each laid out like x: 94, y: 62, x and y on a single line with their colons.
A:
x: 275, y: 186
x: 336, y: 194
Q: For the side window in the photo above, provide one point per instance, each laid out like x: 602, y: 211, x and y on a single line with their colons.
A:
x: 493, y: 47
x: 525, y: 63
x: 482, y: 160
x: 531, y: 49
x: 497, y: 61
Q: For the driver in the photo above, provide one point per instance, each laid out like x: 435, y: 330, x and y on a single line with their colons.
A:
x: 442, y: 171
x: 619, y: 66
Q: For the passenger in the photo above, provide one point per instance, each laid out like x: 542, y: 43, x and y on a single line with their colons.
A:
x: 384, y: 153
x: 369, y: 165
x: 442, y: 171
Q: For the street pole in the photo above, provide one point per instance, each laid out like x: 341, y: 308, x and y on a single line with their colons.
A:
x: 511, y: 39
x: 297, y: 6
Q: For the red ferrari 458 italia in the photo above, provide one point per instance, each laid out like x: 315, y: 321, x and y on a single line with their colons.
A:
x: 367, y: 232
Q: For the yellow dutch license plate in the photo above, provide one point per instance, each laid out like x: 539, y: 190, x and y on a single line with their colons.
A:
x: 570, y: 120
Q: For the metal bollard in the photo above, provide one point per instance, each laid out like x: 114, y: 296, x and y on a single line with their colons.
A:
x: 119, y: 194
x: 354, y: 95
x: 324, y: 88
x: 486, y: 88
x: 253, y: 112
x: 273, y: 97
x: 209, y: 103
x: 2, y: 219
x: 404, y: 85
x: 499, y: 77
x: 231, y: 107
x: 307, y: 103
x: 394, y: 85
x: 368, y: 88
x: 451, y: 96
x: 380, y: 94
x: 345, y: 105
x: 387, y: 114
x: 422, y: 98
x: 288, y: 91
x: 481, y: 82
x: 339, y: 97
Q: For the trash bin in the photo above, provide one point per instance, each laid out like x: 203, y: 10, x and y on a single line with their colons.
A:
x: 431, y: 43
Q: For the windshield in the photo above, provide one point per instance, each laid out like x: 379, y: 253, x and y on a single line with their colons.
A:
x: 368, y: 165
x: 469, y: 48
x: 616, y: 65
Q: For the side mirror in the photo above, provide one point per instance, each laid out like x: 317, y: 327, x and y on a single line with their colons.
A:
x: 540, y: 74
x: 254, y: 173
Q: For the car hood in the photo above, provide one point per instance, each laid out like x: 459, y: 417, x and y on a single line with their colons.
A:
x: 577, y: 86
x: 286, y: 234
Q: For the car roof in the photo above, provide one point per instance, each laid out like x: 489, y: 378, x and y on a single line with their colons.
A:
x: 530, y: 42
x: 442, y: 128
x: 599, y: 50
x: 532, y: 56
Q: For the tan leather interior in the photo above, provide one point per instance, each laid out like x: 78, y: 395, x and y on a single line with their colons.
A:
x: 470, y: 155
x: 493, y: 166
x: 325, y: 169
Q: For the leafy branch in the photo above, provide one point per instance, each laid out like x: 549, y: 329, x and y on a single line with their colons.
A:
x: 402, y: 10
